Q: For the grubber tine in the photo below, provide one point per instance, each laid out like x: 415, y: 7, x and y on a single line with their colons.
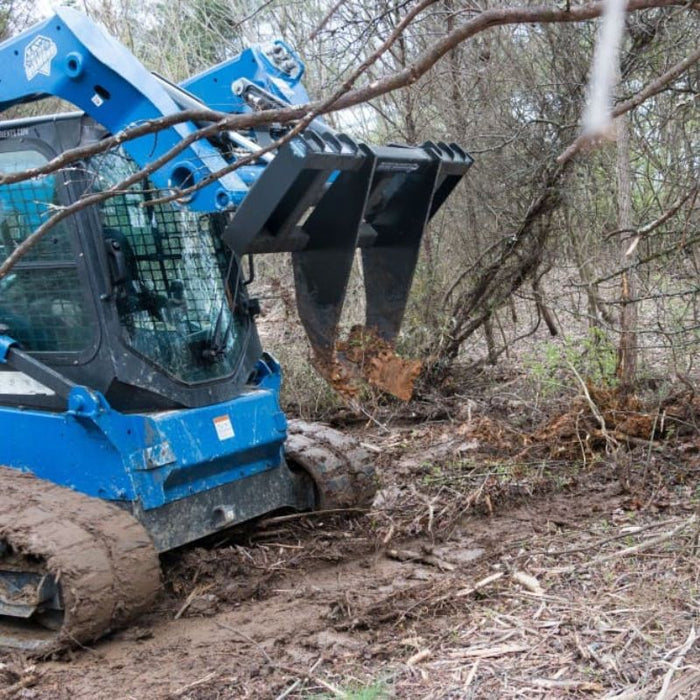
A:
x: 310, y: 200
x: 322, y: 269
x: 270, y: 218
x: 454, y: 162
x: 409, y: 186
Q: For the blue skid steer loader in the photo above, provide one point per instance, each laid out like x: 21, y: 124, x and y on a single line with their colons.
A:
x: 138, y: 411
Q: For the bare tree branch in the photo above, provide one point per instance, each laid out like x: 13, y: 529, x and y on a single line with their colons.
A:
x: 326, y: 18
x: 653, y: 88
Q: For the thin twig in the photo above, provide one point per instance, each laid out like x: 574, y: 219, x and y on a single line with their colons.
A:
x: 609, y: 440
x: 628, y: 550
x: 599, y: 543
x: 692, y: 636
x: 325, y: 20
x: 181, y: 691
x: 243, y: 635
x: 198, y: 590
x: 653, y: 88
x: 300, y: 682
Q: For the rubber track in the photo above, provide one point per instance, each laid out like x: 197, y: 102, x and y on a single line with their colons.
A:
x: 341, y: 468
x: 102, y: 557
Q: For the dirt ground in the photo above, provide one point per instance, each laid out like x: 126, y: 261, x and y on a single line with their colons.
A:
x: 500, y: 560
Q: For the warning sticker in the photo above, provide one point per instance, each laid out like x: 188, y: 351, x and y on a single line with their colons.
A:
x: 38, y: 54
x: 224, y: 427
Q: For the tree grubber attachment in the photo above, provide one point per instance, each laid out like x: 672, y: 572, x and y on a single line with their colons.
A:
x: 322, y: 197
x: 310, y: 202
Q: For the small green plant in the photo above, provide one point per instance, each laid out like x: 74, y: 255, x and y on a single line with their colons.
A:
x: 432, y: 473
x: 594, y: 357
x: 542, y: 368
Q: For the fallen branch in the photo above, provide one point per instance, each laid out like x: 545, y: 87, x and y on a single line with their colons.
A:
x: 25, y: 682
x: 626, y: 532
x: 585, y: 686
x: 530, y: 582
x: 688, y: 682
x: 418, y: 657
x: 610, y: 441
x: 664, y: 692
x: 197, y: 591
x: 628, y: 551
x: 410, y: 555
x: 300, y: 682
x: 243, y: 635
x: 494, y: 652
x: 479, y: 585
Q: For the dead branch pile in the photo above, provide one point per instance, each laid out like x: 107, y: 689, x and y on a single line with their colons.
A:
x: 605, y: 417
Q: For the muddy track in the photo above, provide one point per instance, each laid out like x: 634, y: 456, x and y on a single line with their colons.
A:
x: 101, y: 556
x: 342, y: 469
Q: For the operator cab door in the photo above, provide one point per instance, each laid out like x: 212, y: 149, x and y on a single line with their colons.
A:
x: 164, y: 324
x: 45, y: 299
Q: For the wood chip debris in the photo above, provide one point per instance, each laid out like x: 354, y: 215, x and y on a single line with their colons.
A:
x: 529, y: 582
x: 418, y: 657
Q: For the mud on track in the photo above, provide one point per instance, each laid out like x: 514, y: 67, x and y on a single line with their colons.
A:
x: 101, y: 557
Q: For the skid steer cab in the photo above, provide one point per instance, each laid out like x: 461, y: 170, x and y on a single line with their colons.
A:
x: 138, y: 409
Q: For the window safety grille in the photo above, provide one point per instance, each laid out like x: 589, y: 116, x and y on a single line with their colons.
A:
x: 173, y: 304
x: 41, y: 301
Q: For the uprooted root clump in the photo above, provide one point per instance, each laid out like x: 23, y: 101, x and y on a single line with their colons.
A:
x: 605, y: 418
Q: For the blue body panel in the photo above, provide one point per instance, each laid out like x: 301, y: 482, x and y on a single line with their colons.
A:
x: 70, y: 57
x: 148, y: 459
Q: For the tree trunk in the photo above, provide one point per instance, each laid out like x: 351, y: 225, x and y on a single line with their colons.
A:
x: 627, y: 349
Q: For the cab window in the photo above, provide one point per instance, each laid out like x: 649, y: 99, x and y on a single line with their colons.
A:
x: 41, y: 300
